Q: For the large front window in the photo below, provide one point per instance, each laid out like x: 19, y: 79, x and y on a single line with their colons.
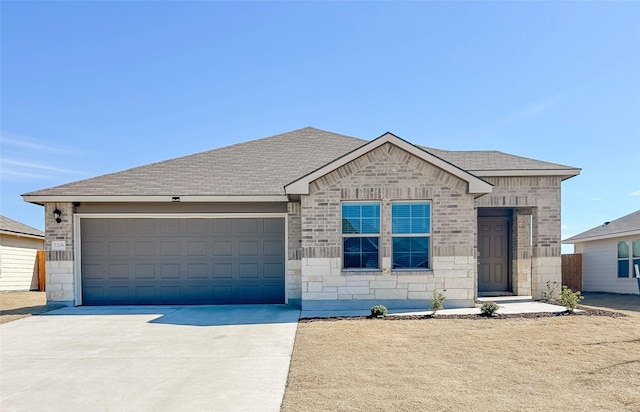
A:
x: 411, y: 230
x: 361, y: 235
x: 628, y: 259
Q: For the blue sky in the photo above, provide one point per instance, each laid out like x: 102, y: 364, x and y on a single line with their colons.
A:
x: 90, y: 88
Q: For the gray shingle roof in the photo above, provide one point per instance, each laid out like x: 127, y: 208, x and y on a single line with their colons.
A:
x: 625, y: 226
x: 12, y: 226
x: 258, y: 167
x: 486, y: 160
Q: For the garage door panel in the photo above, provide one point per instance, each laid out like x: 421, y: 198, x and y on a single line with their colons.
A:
x: 145, y: 271
x: 170, y: 271
x: 168, y: 226
x: 248, y: 248
x: 248, y: 270
x: 248, y: 226
x: 197, y: 271
x: 182, y: 261
x: 168, y: 248
x: 196, y: 248
x: 118, y: 248
x: 118, y: 271
x: 223, y: 270
x: 145, y: 248
x: 143, y: 226
x: 273, y: 248
x: 222, y: 248
x: 145, y: 293
x: 273, y: 270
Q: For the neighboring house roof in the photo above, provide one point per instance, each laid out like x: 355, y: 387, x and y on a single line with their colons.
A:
x: 628, y: 225
x: 257, y: 170
x: 12, y: 227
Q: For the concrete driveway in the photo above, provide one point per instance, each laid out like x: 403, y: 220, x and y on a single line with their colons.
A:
x: 177, y: 358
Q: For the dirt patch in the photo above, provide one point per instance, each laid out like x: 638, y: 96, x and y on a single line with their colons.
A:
x: 547, y: 362
x: 17, y: 305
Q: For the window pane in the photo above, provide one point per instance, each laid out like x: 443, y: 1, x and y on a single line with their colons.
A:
x: 623, y: 250
x: 636, y: 248
x: 623, y: 268
x: 360, y: 252
x: 636, y: 262
x: 410, y: 252
x: 410, y: 218
x: 359, y: 218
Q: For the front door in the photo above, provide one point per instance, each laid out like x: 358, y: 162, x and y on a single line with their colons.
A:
x: 493, y: 250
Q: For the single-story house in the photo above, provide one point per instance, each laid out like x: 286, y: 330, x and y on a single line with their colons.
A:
x: 610, y: 255
x: 308, y: 218
x: 19, y: 245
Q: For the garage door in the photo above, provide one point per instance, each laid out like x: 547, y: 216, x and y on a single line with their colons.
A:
x: 182, y: 261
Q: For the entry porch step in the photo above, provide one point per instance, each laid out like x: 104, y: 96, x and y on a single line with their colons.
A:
x: 504, y: 299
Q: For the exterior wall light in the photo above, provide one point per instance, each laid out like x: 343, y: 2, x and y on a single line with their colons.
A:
x: 56, y: 215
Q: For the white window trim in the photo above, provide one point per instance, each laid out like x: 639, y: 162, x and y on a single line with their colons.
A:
x: 427, y: 235
x: 345, y: 235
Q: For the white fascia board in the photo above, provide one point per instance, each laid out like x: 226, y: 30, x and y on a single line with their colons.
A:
x: 17, y: 234
x: 572, y: 241
x: 159, y: 199
x: 301, y: 186
x: 526, y: 172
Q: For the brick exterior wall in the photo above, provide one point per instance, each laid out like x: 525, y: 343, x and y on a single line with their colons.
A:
x: 539, y: 197
x: 294, y: 263
x: 60, y: 278
x: 385, y: 174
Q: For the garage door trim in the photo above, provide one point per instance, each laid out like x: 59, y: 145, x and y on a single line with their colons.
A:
x: 77, y: 246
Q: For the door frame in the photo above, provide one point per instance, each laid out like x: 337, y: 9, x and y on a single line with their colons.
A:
x: 491, y: 213
x: 77, y: 237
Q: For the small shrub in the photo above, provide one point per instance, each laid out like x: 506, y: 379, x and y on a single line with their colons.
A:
x: 569, y: 298
x: 378, y: 310
x: 436, y: 300
x: 552, y: 290
x: 489, y: 308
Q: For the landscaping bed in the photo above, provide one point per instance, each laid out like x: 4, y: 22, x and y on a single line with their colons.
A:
x: 583, y: 311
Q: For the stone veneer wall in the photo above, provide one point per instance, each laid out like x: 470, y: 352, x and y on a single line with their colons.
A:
x: 386, y: 174
x: 294, y: 263
x: 542, y: 195
x: 60, y: 279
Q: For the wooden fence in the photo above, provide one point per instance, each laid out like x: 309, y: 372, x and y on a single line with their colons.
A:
x: 572, y: 271
x: 41, y: 268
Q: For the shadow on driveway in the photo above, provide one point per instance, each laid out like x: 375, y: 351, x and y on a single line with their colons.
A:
x: 195, y: 315
x: 612, y: 301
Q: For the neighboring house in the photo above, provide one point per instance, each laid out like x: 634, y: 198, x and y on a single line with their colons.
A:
x: 19, y: 245
x: 308, y: 217
x: 610, y: 254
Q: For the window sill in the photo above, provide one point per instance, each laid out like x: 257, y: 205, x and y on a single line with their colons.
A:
x: 403, y: 270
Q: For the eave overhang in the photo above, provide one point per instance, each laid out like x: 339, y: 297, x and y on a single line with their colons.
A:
x: 41, y: 199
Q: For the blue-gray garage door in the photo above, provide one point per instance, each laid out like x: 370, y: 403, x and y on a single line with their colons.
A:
x: 182, y: 261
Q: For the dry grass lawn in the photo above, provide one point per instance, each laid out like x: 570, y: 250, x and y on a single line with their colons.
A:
x: 569, y: 363
x: 16, y: 305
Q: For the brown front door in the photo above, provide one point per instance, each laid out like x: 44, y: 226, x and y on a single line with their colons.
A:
x: 493, y: 259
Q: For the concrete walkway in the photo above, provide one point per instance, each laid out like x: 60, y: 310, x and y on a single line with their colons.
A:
x: 508, y: 305
x: 179, y: 358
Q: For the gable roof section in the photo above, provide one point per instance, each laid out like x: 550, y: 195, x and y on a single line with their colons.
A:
x: 259, y: 170
x: 12, y: 227
x: 476, y: 185
x: 485, y: 163
x: 628, y: 225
